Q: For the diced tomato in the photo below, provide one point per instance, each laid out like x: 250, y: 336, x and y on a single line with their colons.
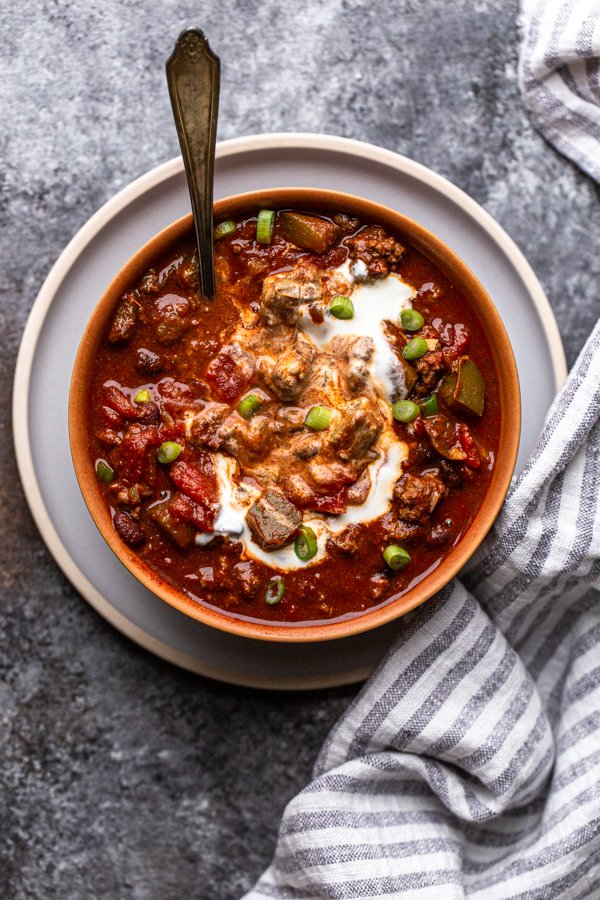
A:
x: 112, y: 418
x: 230, y: 372
x: 176, y: 395
x: 116, y: 400
x: 187, y: 510
x: 329, y: 503
x: 468, y: 444
x: 197, y: 480
x: 136, y: 463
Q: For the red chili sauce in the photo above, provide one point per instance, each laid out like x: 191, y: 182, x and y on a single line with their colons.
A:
x: 165, y: 417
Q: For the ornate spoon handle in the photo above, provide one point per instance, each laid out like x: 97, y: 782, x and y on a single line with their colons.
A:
x: 193, y: 76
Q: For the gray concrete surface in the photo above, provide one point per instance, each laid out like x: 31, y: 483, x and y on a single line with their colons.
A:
x: 121, y: 776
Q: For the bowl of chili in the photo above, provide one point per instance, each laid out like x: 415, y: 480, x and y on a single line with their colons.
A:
x: 320, y: 448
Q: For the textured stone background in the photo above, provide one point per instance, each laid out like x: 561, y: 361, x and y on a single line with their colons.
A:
x: 121, y: 776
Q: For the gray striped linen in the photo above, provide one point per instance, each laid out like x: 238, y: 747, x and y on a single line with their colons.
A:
x: 559, y: 75
x: 469, y: 764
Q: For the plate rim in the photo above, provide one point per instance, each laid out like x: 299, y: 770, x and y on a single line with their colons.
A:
x: 76, y: 246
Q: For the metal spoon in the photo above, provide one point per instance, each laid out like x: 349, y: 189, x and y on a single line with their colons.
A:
x: 193, y: 76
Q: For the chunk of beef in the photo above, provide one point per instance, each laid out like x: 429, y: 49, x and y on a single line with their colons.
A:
x: 149, y: 413
x: 282, y: 294
x: 429, y: 368
x: 360, y: 354
x: 298, y: 491
x: 288, y: 378
x: 359, y: 491
x: 273, y: 520
x: 348, y: 540
x: 230, y: 372
x: 305, y: 446
x: 444, y: 434
x: 380, y: 252
x: 291, y: 417
x: 147, y: 362
x: 332, y: 475
x: 417, y: 496
x: 346, y: 224
x: 182, y: 533
x: 205, y: 427
x: 257, y: 434
x: 124, y: 320
x: 357, y: 429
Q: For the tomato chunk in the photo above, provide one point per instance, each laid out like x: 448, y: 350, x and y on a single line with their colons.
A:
x: 187, y: 510
x: 136, y: 463
x: 117, y: 401
x: 329, y: 503
x: 230, y: 372
x: 197, y: 480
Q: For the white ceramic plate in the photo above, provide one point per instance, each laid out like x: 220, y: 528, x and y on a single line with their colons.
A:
x: 89, y: 263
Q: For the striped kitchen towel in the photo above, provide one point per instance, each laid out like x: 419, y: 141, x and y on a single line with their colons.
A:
x: 469, y: 764
x: 559, y: 75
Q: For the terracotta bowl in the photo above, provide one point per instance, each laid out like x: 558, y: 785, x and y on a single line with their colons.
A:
x: 510, y: 411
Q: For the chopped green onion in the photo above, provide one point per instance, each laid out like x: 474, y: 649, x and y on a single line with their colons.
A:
x: 275, y: 591
x: 411, y: 319
x: 168, y: 452
x: 224, y: 228
x: 429, y: 406
x: 249, y: 406
x: 143, y: 396
x: 305, y: 545
x: 405, y: 411
x: 264, y: 226
x: 396, y: 557
x: 104, y: 471
x: 415, y: 348
x: 342, y: 307
x: 318, y: 418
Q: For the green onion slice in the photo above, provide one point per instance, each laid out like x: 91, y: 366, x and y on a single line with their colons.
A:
x: 275, y: 591
x: 429, y: 406
x: 168, y: 452
x: 396, y: 557
x: 305, y: 545
x: 104, y: 471
x: 405, y: 411
x: 342, y: 307
x: 415, y: 348
x: 318, y: 418
x: 411, y: 319
x: 264, y: 226
x: 249, y: 405
x: 143, y: 396
x: 223, y: 229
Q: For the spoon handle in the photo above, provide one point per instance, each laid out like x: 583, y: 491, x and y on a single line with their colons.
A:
x: 193, y: 76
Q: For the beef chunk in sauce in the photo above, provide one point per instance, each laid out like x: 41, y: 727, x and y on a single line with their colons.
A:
x: 357, y: 430
x: 282, y: 294
x: 380, y: 252
x: 291, y: 371
x: 124, y: 320
x: 273, y: 520
x: 147, y: 362
x: 418, y: 496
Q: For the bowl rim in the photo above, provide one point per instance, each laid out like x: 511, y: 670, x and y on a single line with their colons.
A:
x: 509, y: 395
